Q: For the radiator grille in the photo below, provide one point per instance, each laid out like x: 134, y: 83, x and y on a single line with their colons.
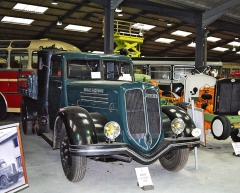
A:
x: 140, y: 116
x: 153, y: 113
x: 228, y: 100
x: 135, y: 112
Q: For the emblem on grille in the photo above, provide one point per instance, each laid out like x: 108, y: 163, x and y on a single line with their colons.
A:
x: 151, y: 95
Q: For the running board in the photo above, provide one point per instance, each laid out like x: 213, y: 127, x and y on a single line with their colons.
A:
x: 48, y: 137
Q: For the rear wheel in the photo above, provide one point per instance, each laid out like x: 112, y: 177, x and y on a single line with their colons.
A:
x: 175, y: 160
x: 26, y: 124
x: 235, y: 135
x: 74, y: 167
x: 221, y: 127
x: 3, y: 107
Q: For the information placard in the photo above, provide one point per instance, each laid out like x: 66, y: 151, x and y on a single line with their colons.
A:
x: 236, y: 147
x: 144, y: 178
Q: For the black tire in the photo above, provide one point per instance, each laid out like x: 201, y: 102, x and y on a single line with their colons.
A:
x: 220, y: 127
x: 74, y: 167
x: 3, y: 107
x: 175, y: 160
x: 27, y: 125
x: 235, y: 135
x: 4, y: 182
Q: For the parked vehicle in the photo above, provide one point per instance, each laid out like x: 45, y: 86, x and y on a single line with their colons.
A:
x: 88, y: 105
x: 8, y: 173
x: 15, y: 55
x: 219, y: 100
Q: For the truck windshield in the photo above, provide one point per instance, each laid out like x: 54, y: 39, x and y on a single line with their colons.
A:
x: 84, y: 69
x: 117, y: 70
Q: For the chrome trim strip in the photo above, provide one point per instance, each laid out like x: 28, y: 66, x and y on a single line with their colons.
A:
x: 133, y: 152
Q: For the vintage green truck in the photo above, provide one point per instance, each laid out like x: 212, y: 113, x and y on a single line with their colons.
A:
x: 8, y: 173
x: 89, y: 105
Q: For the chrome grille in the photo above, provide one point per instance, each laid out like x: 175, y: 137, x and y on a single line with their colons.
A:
x: 153, y: 113
x: 140, y: 112
x: 135, y: 112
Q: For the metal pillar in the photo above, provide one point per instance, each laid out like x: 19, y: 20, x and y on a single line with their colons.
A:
x: 108, y: 28
x: 199, y: 42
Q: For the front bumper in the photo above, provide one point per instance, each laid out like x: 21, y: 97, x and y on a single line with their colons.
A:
x: 116, y: 148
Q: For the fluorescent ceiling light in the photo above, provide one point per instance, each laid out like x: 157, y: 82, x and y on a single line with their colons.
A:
x: 181, y: 33
x: 77, y: 28
x: 54, y: 2
x: 164, y: 40
x: 142, y: 26
x: 16, y: 20
x: 213, y: 39
x: 234, y: 43
x: 220, y: 49
x: 193, y: 45
x: 118, y: 9
x: 29, y: 8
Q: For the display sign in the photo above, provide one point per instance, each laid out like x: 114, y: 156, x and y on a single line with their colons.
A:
x: 12, y: 165
x: 236, y: 147
x: 144, y: 178
x: 198, y: 115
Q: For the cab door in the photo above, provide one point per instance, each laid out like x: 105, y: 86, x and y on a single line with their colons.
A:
x: 55, y: 90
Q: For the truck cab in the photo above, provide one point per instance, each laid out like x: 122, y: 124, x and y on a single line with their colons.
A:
x: 88, y: 105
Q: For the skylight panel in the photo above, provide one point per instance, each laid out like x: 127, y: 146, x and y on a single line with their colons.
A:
x: 16, y: 20
x: 193, y: 45
x: 142, y: 26
x: 78, y: 28
x: 213, y: 39
x: 164, y: 40
x: 29, y: 8
x: 220, y: 49
x: 234, y: 43
x: 181, y: 33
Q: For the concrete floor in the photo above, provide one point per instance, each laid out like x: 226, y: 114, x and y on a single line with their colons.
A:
x: 218, y: 171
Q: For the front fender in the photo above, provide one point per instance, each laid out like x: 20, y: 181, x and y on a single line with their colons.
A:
x: 79, y: 126
x: 176, y: 112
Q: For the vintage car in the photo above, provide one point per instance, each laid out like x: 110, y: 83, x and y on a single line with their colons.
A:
x: 8, y: 173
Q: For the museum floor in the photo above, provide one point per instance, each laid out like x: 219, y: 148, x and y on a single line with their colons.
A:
x: 218, y: 171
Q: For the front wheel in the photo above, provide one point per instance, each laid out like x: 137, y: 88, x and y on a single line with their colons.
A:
x: 4, y: 182
x: 74, y: 167
x: 26, y: 124
x: 175, y: 160
x: 221, y: 127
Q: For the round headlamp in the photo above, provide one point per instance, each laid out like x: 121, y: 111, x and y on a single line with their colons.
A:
x: 112, y: 130
x: 177, y: 125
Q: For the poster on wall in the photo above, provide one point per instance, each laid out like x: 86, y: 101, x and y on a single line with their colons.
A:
x: 12, y: 165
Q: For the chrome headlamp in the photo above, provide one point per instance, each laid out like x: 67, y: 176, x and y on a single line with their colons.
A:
x: 177, y: 125
x: 112, y: 130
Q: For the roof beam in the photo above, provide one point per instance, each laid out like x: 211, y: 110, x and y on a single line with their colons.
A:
x: 184, y: 15
x: 211, y: 15
x: 69, y: 13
